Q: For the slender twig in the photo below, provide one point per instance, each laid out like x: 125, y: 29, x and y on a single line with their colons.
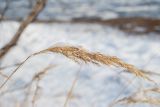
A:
x: 33, y: 14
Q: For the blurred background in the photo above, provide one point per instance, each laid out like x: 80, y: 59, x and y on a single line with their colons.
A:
x: 128, y: 29
x: 70, y: 9
x: 131, y: 13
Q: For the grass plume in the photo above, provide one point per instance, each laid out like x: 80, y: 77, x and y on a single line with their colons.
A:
x: 78, y: 54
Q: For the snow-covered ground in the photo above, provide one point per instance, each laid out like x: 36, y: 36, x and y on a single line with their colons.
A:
x: 97, y: 86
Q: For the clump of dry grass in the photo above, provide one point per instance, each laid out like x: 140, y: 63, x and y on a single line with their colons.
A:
x: 32, y: 88
x: 78, y: 54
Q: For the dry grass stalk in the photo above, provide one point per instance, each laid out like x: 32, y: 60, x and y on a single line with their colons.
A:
x: 37, y: 78
x: 72, y: 88
x: 3, y: 84
x: 151, y: 73
x: 34, y: 81
x: 33, y: 14
x: 78, y: 54
x: 149, y: 90
x: 141, y: 97
x: 34, y: 98
x: 135, y: 100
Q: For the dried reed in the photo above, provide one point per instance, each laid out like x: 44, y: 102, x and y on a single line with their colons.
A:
x: 69, y: 95
x: 39, y: 76
x: 78, y: 54
x: 141, y: 97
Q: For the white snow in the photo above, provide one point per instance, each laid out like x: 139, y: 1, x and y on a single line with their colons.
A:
x: 97, y: 86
